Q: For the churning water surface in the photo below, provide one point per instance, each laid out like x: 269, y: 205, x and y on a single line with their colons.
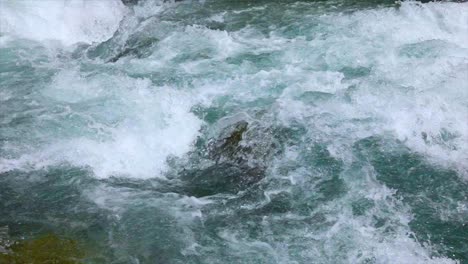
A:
x: 224, y: 131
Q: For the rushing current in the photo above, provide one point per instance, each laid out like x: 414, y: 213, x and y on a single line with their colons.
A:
x: 224, y: 131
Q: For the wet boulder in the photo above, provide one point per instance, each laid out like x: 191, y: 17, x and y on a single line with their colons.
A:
x: 130, y: 2
x: 238, y: 159
x: 139, y: 48
x: 228, y: 147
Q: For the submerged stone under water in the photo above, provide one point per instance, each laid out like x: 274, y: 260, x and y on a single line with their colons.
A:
x: 46, y: 249
x: 233, y: 132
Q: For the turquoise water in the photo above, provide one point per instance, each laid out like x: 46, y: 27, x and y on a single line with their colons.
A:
x: 237, y: 131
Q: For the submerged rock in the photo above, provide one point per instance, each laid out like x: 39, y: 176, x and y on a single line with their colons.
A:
x: 240, y: 154
x: 229, y: 148
x: 138, y: 49
x: 244, y: 144
x: 130, y: 2
x: 46, y: 249
x: 222, y: 178
x: 231, y: 172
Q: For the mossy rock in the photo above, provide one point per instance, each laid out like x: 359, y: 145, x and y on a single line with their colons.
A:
x: 49, y: 249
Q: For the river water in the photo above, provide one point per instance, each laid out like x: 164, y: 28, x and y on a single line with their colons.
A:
x: 224, y: 131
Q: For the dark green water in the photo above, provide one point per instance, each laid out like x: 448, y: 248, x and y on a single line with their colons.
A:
x: 234, y: 132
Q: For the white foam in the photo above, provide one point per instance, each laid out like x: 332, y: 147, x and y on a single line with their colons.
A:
x: 68, y: 21
x: 416, y: 86
x: 132, y: 131
x: 380, y: 234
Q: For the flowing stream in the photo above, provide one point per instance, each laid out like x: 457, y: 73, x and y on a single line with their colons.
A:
x: 224, y: 131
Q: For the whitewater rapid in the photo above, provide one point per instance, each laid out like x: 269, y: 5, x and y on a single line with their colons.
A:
x: 357, y: 117
x: 69, y: 22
